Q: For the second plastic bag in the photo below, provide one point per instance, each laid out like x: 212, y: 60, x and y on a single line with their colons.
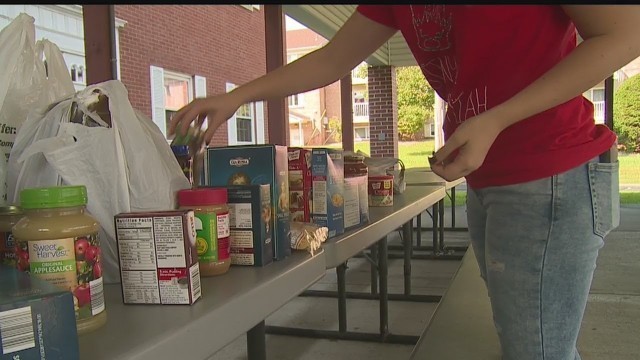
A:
x: 126, y: 167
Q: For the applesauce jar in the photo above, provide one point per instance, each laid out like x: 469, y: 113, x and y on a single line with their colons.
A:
x: 9, y: 216
x: 60, y: 242
x: 212, y: 227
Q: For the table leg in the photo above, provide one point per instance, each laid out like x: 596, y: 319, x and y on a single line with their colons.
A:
x: 374, y: 270
x: 408, y: 246
x: 434, y: 227
x: 441, y: 227
x: 419, y: 234
x: 256, y: 344
x: 384, y: 295
x: 342, y: 297
x: 453, y: 207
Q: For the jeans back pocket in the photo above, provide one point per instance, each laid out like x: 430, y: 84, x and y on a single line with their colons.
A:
x: 604, y: 182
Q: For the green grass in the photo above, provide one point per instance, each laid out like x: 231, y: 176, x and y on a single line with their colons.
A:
x: 415, y: 153
x: 629, y: 168
x: 630, y: 197
x: 625, y: 198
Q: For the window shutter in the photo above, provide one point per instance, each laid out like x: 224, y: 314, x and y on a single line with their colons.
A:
x: 201, y: 86
x: 158, y: 114
x: 232, y: 132
x: 259, y: 119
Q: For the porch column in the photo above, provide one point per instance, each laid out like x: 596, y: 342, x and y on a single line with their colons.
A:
x: 346, y: 108
x: 277, y: 112
x: 99, y: 43
x: 383, y: 111
x: 608, y: 102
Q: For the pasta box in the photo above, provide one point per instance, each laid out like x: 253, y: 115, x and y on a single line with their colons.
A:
x: 300, y: 184
x: 251, y: 222
x: 256, y: 165
x: 327, y: 171
x: 37, y: 319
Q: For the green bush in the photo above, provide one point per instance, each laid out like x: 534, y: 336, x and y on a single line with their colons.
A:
x: 411, y: 120
x: 626, y: 114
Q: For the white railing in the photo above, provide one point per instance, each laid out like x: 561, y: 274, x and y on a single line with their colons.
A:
x: 598, y: 111
x: 361, y: 109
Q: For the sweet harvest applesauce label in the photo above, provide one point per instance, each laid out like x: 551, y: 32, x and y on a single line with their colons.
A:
x: 71, y: 263
x: 213, y: 237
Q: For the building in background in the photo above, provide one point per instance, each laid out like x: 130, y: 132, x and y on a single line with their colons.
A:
x: 169, y: 55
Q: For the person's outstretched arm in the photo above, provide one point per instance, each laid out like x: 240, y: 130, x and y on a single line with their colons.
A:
x: 610, y: 36
x: 358, y: 38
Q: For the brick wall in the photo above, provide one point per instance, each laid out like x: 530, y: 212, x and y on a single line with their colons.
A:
x: 383, y: 111
x: 224, y: 43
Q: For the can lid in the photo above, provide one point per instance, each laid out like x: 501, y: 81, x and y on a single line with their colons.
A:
x: 10, y: 210
x: 53, y: 197
x: 202, y: 196
x: 180, y: 150
x: 381, y: 177
x: 353, y: 158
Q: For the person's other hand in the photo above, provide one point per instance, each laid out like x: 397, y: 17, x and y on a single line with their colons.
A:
x: 466, y: 149
x: 217, y: 109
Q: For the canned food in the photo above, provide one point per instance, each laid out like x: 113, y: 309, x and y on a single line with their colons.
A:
x: 381, y: 190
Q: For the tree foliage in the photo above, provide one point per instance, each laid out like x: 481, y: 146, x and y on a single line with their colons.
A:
x: 415, y: 101
x: 626, y: 114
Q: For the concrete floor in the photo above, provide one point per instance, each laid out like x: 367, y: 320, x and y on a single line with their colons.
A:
x: 610, y: 329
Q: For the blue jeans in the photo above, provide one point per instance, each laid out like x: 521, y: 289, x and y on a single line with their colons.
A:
x: 536, y: 244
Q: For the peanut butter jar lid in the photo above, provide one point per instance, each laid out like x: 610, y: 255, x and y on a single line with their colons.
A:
x: 202, y: 196
x: 53, y: 197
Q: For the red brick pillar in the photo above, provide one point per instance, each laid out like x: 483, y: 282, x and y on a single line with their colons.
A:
x: 383, y: 111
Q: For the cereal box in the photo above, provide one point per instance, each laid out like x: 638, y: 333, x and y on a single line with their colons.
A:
x: 256, y: 165
x: 300, y: 184
x: 327, y: 171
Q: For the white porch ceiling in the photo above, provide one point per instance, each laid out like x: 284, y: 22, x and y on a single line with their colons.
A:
x: 327, y: 19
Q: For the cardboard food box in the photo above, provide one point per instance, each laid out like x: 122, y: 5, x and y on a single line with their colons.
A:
x: 356, y: 202
x: 327, y: 170
x: 37, y: 319
x: 300, y: 184
x: 251, y: 222
x: 256, y: 165
x: 158, y: 257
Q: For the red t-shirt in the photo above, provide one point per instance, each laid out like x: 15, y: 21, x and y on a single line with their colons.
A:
x: 476, y: 57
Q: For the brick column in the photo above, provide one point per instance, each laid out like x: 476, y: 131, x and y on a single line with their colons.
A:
x: 383, y: 111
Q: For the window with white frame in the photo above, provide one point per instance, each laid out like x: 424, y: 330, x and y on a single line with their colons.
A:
x: 296, y: 100
x: 170, y: 91
x: 246, y: 126
x: 361, y: 133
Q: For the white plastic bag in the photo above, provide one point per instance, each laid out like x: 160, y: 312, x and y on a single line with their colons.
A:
x: 25, y: 84
x: 385, y: 166
x: 126, y: 167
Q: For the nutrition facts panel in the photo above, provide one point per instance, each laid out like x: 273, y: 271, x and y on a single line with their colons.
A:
x: 137, y: 248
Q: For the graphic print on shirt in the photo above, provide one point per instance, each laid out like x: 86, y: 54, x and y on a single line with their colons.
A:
x: 432, y: 25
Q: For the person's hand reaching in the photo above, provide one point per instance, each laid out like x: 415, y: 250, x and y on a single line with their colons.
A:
x: 215, y: 109
x: 467, y: 148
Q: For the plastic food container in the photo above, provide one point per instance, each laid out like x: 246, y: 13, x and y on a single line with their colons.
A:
x: 58, y: 241
x: 9, y: 216
x: 381, y: 190
x: 183, y: 156
x: 212, y: 227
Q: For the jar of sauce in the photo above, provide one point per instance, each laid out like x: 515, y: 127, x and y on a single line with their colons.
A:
x: 9, y: 216
x: 212, y: 227
x: 354, y: 166
x: 60, y: 243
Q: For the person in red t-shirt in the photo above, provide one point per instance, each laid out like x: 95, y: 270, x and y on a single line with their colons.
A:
x: 540, y: 199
